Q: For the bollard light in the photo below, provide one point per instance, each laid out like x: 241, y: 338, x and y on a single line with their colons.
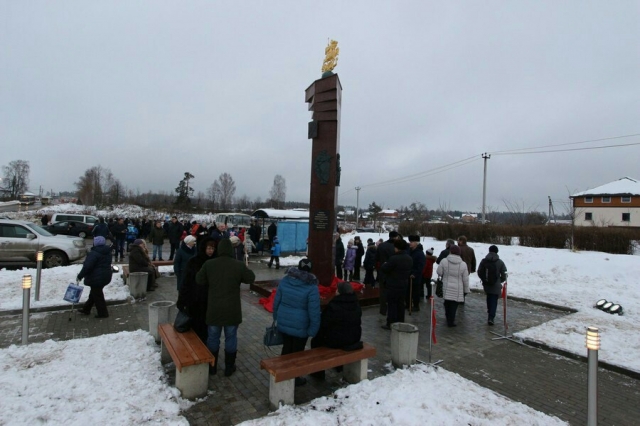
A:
x: 600, y: 303
x: 593, y: 339
x: 39, y: 256
x: 26, y: 282
x: 616, y: 309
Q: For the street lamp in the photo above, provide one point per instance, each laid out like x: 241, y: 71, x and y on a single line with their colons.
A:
x: 39, y: 257
x: 593, y: 345
x: 26, y: 295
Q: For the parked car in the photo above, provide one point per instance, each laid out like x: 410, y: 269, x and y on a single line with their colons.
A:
x: 65, y: 217
x: 71, y: 227
x: 21, y: 240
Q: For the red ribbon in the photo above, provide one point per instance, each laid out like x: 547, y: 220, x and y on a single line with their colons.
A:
x: 504, y: 291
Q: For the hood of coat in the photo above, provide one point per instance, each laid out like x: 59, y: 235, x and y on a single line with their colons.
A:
x: 454, y: 259
x: 492, y: 257
x: 202, y: 248
x: 306, y: 277
x: 225, y: 248
x: 103, y: 250
x: 136, y: 248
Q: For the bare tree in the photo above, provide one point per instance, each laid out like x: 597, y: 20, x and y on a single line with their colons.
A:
x: 223, y: 190
x: 243, y: 202
x: 278, y: 191
x: 16, y: 177
x: 374, y: 212
x: 520, y: 214
x: 89, y: 186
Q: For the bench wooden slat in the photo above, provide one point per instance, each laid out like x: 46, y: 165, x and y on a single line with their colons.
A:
x: 185, y: 348
x: 298, y: 364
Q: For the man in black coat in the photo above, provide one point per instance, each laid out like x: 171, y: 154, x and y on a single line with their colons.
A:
x: 397, y: 271
x: 416, y: 252
x: 96, y: 271
x: 174, y: 232
x: 383, y: 253
x: 272, y: 231
x: 119, y: 231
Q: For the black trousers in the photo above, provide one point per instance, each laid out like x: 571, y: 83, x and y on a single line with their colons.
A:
x: 292, y: 344
x: 96, y: 297
x: 356, y: 269
x: 339, y: 270
x: 368, y: 277
x: 492, y: 305
x: 450, y: 308
x: 395, y: 306
x: 174, y: 248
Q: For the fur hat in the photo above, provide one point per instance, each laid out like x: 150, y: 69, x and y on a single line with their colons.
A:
x: 493, y: 249
x: 430, y: 251
x: 345, y: 287
x: 455, y: 250
x: 99, y: 241
x: 189, y: 239
x: 305, y: 264
x: 400, y: 244
x: 414, y: 238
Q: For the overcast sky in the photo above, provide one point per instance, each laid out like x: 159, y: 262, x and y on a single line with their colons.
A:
x: 152, y: 89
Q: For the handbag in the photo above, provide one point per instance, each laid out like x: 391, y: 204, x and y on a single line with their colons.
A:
x: 73, y: 293
x: 182, y: 324
x: 272, y: 337
x: 439, y: 289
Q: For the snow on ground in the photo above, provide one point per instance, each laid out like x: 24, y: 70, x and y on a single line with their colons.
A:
x: 411, y: 397
x: 114, y: 379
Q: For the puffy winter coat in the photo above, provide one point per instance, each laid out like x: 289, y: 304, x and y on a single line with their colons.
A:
x: 157, y: 236
x: 455, y: 277
x: 296, y: 307
x: 383, y: 253
x: 183, y: 254
x: 223, y: 275
x: 496, y: 287
x: 397, y: 271
x: 96, y: 269
x: 174, y: 232
x: 427, y: 272
x: 275, y: 250
x: 350, y: 259
x: 193, y: 298
x: 370, y: 257
x: 417, y: 255
x: 138, y: 259
x: 341, y: 322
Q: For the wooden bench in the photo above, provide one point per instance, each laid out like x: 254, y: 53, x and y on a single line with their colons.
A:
x: 284, y: 369
x: 125, y: 268
x: 191, y: 357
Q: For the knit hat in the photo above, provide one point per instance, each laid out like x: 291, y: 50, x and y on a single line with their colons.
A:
x: 189, y: 239
x: 235, y: 241
x: 454, y: 250
x: 493, y: 249
x: 305, y: 264
x: 99, y: 241
x: 430, y: 251
x: 345, y: 287
x: 138, y: 242
x: 351, y: 242
x: 400, y: 244
x: 414, y: 238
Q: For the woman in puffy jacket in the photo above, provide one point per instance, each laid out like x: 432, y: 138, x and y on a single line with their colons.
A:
x: 349, y: 260
x: 296, y: 309
x: 186, y: 251
x: 455, y: 282
x: 96, y: 271
x: 139, y: 262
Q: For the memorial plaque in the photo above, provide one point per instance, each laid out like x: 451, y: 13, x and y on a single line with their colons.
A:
x: 321, y: 220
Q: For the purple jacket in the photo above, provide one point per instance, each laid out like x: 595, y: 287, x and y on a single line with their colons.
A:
x: 350, y: 258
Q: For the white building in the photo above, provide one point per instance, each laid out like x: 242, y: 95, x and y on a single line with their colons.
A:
x: 613, y: 204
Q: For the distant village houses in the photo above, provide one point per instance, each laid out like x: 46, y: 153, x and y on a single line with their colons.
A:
x: 616, y: 203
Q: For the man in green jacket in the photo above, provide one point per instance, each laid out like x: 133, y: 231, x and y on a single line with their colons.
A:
x: 223, y: 276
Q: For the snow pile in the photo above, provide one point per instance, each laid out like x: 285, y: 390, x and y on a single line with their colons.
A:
x: 53, y: 285
x: 419, y: 395
x: 114, y: 379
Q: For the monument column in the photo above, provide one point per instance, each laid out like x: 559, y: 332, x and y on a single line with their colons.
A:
x: 324, y: 99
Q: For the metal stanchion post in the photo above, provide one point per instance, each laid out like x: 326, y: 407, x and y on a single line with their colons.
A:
x: 26, y: 296
x: 39, y: 258
x: 593, y: 345
x: 506, y: 325
x: 431, y: 325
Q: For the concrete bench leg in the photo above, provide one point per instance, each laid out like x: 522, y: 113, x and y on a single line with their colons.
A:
x: 356, y: 371
x: 165, y: 357
x: 193, y: 381
x: 281, y: 392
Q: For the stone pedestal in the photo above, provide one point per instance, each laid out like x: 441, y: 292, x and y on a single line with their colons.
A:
x: 404, y: 344
x: 138, y: 284
x: 324, y: 97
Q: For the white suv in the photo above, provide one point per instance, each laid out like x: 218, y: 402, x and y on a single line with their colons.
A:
x: 21, y: 240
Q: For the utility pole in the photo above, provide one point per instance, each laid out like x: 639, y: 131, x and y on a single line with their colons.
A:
x: 357, y: 205
x: 485, y: 156
x: 552, y: 213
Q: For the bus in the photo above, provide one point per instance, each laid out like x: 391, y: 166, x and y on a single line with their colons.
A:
x: 238, y: 220
x: 27, y: 199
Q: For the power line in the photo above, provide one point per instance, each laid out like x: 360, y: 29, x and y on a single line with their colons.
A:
x: 568, y: 149
x: 567, y: 143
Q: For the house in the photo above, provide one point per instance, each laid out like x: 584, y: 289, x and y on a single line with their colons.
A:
x: 469, y: 217
x: 388, y: 214
x: 616, y: 203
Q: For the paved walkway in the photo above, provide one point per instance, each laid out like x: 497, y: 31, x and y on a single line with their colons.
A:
x: 544, y: 381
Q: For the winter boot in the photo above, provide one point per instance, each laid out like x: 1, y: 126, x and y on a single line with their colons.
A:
x: 229, y: 363
x: 213, y: 369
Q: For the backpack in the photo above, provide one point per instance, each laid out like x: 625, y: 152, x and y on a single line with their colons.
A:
x: 490, y: 274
